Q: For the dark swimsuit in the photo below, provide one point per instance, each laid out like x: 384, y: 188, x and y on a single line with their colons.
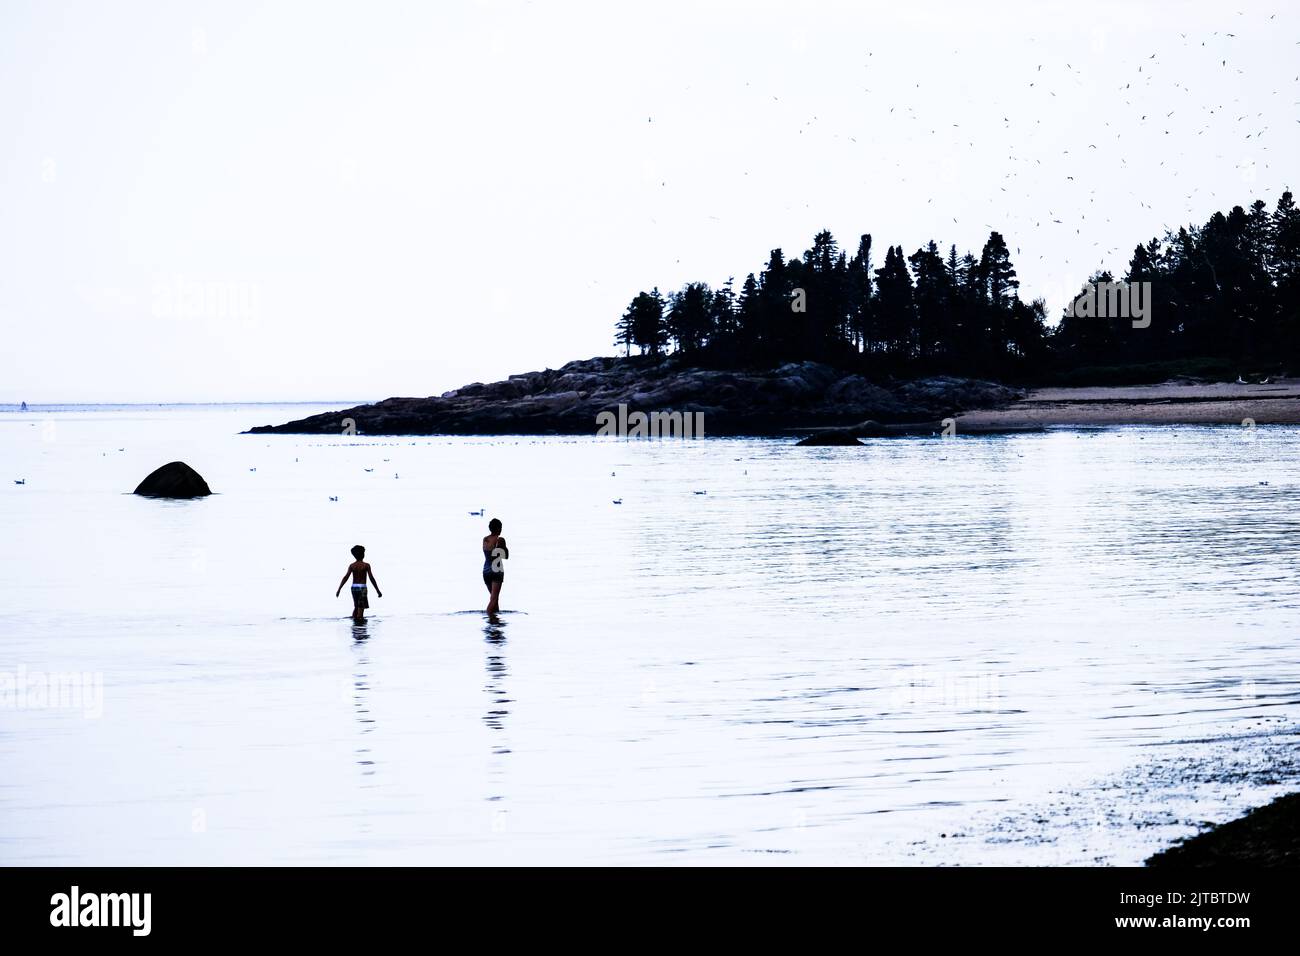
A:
x: 491, y: 576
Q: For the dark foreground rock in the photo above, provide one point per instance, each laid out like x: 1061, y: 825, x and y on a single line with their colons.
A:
x: 1267, y: 836
x: 174, y: 480
x: 568, y: 400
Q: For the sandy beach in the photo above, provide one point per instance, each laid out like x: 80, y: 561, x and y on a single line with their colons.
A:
x: 1170, y: 403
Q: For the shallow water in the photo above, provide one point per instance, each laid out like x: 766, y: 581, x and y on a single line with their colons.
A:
x: 1066, y: 647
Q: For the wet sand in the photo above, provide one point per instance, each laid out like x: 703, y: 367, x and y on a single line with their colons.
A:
x: 1170, y: 403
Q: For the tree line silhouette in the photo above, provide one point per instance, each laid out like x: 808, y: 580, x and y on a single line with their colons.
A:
x: 1226, y: 294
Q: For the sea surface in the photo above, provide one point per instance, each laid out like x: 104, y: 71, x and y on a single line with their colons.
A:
x: 1059, y: 648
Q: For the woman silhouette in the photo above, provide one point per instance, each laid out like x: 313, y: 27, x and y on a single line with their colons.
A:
x: 494, y: 573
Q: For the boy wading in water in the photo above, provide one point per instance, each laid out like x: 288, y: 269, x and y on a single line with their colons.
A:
x: 359, y: 570
x: 494, y: 572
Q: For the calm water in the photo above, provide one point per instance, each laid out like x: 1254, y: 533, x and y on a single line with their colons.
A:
x: 1055, y: 648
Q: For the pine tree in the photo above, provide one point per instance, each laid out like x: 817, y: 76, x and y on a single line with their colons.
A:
x: 624, y: 334
x: 998, y: 275
x: 644, y: 323
x: 895, y: 306
x: 748, y: 319
x: 774, y: 312
x: 1284, y: 255
x: 933, y: 317
x: 859, y: 297
x: 722, y: 313
x: 689, y: 317
x: 823, y: 277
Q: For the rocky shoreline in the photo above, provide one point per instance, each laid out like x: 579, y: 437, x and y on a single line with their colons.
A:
x: 566, y: 401
x: 1267, y: 836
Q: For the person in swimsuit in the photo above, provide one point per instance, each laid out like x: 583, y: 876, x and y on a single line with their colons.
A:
x: 359, y: 570
x: 494, y: 573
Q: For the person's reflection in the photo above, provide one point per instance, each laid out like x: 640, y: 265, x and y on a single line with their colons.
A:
x: 361, y: 695
x: 494, y: 633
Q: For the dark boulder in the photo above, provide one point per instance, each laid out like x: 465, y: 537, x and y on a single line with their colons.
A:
x: 943, y: 395
x: 174, y: 480
x: 829, y: 438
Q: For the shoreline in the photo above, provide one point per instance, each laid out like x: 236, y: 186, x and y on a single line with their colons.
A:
x: 1170, y: 403
x: 1240, y: 405
x: 805, y: 400
x: 1173, y: 792
x: 1265, y: 836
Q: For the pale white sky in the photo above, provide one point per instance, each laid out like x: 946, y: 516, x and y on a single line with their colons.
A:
x: 266, y: 201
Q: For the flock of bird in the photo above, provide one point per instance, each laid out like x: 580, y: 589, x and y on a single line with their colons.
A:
x: 1188, y: 101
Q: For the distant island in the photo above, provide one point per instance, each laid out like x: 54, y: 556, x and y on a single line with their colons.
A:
x: 829, y: 341
x: 568, y: 400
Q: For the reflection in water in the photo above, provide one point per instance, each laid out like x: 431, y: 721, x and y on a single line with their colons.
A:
x: 494, y: 632
x: 360, y: 696
x: 833, y: 654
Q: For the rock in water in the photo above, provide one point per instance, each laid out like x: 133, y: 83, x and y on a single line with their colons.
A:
x: 174, y: 480
x: 830, y: 438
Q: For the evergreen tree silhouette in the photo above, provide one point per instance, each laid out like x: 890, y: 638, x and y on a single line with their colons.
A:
x: 689, y: 319
x: 933, y: 302
x: 749, y: 320
x: 859, y: 297
x: 643, y: 323
x: 723, y: 317
x: 895, y: 306
x: 775, y: 312
x: 1284, y: 259
x: 1225, y: 291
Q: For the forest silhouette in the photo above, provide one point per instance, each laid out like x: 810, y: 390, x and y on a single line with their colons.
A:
x: 1223, y: 297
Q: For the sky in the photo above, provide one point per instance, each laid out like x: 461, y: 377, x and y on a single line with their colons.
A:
x: 281, y: 201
